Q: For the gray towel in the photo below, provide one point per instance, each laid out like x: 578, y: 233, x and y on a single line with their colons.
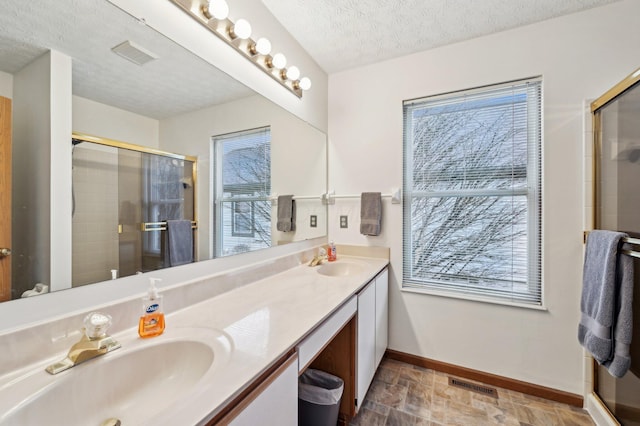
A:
x: 620, y: 363
x: 179, y: 242
x: 607, y: 290
x: 370, y: 213
x: 286, y: 213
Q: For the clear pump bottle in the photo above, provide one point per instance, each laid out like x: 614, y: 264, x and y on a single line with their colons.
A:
x: 152, y: 320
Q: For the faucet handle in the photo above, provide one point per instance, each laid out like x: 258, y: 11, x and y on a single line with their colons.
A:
x: 96, y: 325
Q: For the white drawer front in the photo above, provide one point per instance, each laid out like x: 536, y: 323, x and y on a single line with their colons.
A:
x: 313, y: 344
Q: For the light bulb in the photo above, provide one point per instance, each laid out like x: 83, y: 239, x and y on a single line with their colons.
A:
x: 242, y: 29
x: 293, y: 73
x: 279, y: 61
x: 218, y: 9
x: 263, y: 46
x: 305, y: 83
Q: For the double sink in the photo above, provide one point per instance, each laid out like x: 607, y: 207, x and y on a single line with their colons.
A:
x: 142, y: 381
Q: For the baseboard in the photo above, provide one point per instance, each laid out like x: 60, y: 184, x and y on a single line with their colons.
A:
x: 488, y: 378
x: 599, y: 413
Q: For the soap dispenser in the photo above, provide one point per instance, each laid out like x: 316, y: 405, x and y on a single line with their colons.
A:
x: 331, y: 252
x: 152, y: 320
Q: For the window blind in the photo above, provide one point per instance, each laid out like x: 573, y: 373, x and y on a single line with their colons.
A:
x: 472, y: 204
x: 243, y: 185
x: 245, y: 163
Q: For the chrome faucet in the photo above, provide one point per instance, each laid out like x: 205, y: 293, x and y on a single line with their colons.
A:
x: 94, y: 342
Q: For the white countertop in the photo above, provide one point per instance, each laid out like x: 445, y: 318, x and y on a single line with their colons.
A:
x: 263, y: 321
x: 248, y: 327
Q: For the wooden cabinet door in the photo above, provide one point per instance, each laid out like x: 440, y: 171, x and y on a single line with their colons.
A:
x: 5, y: 198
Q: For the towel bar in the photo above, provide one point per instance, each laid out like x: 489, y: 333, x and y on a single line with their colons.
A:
x: 631, y: 253
x: 160, y: 226
x: 395, y: 195
x: 626, y: 240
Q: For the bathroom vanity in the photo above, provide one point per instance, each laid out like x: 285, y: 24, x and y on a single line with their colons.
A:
x: 349, y: 343
x: 233, y: 358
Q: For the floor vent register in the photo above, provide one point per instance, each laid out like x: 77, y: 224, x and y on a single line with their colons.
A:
x: 474, y: 387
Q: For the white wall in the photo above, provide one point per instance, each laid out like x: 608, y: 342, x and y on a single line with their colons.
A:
x: 580, y: 56
x: 41, y: 202
x: 97, y: 119
x: 298, y: 158
x: 30, y: 208
x: 60, y: 178
x: 6, y: 85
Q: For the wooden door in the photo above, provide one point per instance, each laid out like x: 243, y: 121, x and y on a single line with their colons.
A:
x: 5, y: 198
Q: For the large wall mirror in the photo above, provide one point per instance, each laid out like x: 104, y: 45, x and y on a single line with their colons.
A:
x: 169, y: 138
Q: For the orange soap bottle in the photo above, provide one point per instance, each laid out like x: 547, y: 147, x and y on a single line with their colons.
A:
x: 152, y: 320
x: 331, y: 252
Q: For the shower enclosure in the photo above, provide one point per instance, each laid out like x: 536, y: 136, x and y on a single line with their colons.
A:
x: 616, y: 125
x: 123, y: 194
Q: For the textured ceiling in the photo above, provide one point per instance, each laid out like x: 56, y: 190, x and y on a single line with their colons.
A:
x: 343, y: 34
x: 86, y: 30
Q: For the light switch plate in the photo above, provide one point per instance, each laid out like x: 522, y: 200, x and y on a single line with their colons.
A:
x: 344, y: 223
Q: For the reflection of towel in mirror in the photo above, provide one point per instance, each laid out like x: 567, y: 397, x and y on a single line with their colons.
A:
x: 286, y: 213
x: 605, y: 327
x: 179, y: 242
x: 370, y: 213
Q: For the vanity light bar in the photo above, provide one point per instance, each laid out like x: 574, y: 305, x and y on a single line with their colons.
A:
x: 213, y: 14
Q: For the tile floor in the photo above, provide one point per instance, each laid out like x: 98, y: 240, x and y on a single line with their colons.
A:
x: 404, y: 395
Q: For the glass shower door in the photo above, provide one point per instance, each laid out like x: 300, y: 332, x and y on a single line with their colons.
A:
x: 122, y: 200
x: 167, y: 194
x: 618, y: 208
x: 94, y: 212
x: 130, y: 212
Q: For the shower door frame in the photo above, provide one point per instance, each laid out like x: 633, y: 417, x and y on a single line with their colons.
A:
x: 148, y: 150
x: 596, y: 115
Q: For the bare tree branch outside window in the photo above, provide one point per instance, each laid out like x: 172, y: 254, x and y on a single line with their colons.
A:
x: 246, y: 173
x: 468, y: 203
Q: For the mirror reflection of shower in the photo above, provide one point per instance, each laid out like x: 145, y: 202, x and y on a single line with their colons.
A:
x: 74, y: 142
x: 634, y: 155
x: 115, y: 192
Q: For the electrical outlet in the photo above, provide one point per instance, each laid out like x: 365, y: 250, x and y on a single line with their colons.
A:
x: 344, y: 222
x: 313, y: 221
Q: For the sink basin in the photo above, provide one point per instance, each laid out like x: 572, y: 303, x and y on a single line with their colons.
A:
x: 340, y: 268
x: 131, y: 384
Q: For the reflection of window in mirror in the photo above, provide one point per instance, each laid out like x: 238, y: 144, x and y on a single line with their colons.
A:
x: 242, y: 169
x: 243, y: 219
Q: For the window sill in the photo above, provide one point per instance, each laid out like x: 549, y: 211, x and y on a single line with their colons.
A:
x: 472, y: 298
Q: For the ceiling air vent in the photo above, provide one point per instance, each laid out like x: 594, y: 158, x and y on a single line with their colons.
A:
x: 134, y: 53
x: 485, y: 390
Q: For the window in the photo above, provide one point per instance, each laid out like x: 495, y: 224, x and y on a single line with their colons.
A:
x: 242, y: 219
x: 242, y: 169
x: 472, y: 206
